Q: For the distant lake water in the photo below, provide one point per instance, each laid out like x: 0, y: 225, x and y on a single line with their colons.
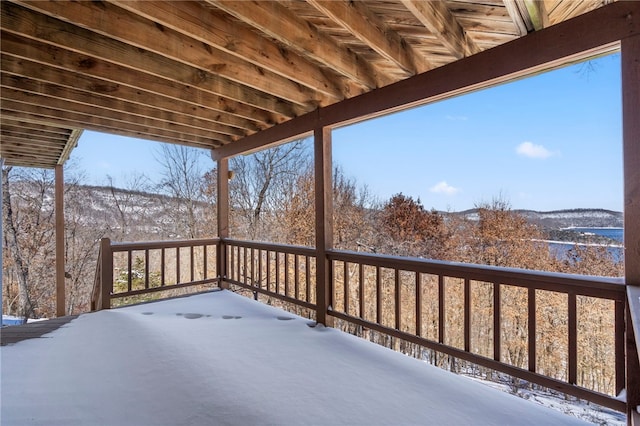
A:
x: 617, y: 234
x: 613, y: 233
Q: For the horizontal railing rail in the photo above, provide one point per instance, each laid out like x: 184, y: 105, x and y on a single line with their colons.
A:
x: 280, y: 271
x: 127, y: 269
x: 401, y: 283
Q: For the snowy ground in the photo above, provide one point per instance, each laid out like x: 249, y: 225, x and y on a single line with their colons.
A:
x: 221, y: 359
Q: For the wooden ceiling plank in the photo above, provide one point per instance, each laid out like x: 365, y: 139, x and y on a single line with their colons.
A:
x: 16, y: 127
x: 207, y: 26
x: 278, y: 22
x: 97, y: 127
x: 26, y: 133
x: 34, y: 142
x: 28, y: 161
x: 115, y: 22
x: 358, y: 19
x: 101, y: 123
x: 15, y: 147
x: 435, y: 16
x: 117, y: 116
x: 89, y: 98
x: 109, y: 79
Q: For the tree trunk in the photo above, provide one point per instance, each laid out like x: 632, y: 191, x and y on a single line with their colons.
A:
x: 25, y: 308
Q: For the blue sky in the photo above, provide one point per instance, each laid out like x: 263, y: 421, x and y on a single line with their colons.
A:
x: 549, y: 142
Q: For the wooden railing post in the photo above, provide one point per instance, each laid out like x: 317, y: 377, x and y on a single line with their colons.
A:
x: 222, y: 220
x: 324, y: 223
x: 106, y: 273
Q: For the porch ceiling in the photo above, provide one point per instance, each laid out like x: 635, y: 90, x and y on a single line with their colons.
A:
x: 209, y: 73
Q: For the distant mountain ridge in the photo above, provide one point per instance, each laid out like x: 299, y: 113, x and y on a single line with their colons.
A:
x: 570, y: 218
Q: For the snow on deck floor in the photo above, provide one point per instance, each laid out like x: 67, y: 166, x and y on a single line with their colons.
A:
x: 222, y: 359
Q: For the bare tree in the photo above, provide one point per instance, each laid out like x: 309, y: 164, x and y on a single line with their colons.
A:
x: 261, y: 183
x: 21, y: 268
x: 183, y: 179
x: 125, y: 199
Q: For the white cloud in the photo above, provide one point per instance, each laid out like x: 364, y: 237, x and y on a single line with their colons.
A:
x: 444, y: 188
x: 531, y: 150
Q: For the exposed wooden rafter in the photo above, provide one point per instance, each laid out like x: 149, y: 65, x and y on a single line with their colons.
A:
x: 436, y: 16
x: 358, y: 19
x: 276, y: 21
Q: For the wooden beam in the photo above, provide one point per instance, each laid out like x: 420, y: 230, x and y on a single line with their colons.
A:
x: 213, y: 28
x: 222, y: 209
x: 630, y: 64
x: 537, y: 12
x: 60, y: 261
x: 278, y: 22
x: 323, y: 171
x: 436, y: 16
x: 358, y: 19
x: 557, y: 45
x: 72, y: 142
x: 522, y: 24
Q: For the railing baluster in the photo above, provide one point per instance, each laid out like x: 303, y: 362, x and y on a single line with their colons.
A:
x: 162, y: 267
x: 205, y: 273
x: 239, y: 263
x: 277, y: 255
x: 531, y: 308
x: 129, y: 270
x: 260, y: 266
x: 268, y: 270
x: 178, y: 280
x: 496, y: 322
x: 296, y: 278
x: 378, y: 296
x: 254, y: 282
x: 398, y: 299
x: 619, y: 345
x: 307, y: 273
x: 361, y: 290
x: 441, y: 308
x: 191, y: 265
x: 467, y: 315
x: 573, y: 338
x: 418, y: 280
x: 146, y: 269
x: 345, y: 280
x: 286, y: 274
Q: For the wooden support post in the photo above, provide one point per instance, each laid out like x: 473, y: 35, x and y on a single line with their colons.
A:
x: 630, y: 58
x: 223, y: 219
x: 324, y: 223
x: 106, y: 273
x: 60, y: 263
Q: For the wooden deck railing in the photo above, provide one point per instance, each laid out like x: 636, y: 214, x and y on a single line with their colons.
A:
x: 434, y: 304
x: 149, y: 267
x: 399, y: 283
x: 280, y: 271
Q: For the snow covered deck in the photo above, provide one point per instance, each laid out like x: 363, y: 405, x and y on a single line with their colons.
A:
x: 222, y: 359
